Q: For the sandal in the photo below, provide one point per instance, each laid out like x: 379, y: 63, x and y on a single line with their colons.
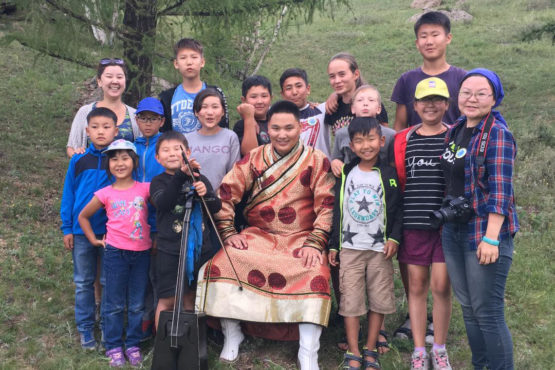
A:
x: 343, y: 345
x: 370, y: 364
x: 403, y: 331
x: 350, y: 357
x: 116, y: 357
x: 383, y: 345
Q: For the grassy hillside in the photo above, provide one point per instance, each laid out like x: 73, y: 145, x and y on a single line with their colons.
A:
x: 39, y: 96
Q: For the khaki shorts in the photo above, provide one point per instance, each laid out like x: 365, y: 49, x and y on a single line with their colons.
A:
x: 367, y: 272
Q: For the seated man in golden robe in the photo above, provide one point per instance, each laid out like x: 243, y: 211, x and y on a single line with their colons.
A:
x: 279, y: 257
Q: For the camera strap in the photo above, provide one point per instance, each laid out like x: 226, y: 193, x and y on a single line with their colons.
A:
x: 484, y: 139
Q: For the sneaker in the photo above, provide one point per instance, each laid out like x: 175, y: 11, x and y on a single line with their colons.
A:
x: 87, y: 340
x: 134, y: 356
x: 440, y: 359
x: 116, y: 357
x: 419, y: 361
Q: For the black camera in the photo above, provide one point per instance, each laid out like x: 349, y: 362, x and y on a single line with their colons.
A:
x: 453, y: 209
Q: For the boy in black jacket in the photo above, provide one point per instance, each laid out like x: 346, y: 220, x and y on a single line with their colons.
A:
x: 167, y: 194
x: 367, y: 221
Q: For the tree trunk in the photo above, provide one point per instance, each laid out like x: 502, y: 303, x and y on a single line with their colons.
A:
x: 139, y: 22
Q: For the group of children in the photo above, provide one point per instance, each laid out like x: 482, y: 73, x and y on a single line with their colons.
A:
x: 128, y: 198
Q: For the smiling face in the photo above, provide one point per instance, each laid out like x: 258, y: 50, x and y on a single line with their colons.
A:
x: 431, y: 41
x: 284, y: 131
x: 101, y: 130
x: 169, y: 155
x: 210, y: 113
x: 367, y: 147
x: 121, y: 165
x: 112, y: 82
x: 260, y: 98
x: 295, y: 90
x: 189, y: 63
x: 366, y: 103
x: 475, y: 99
x: 342, y: 79
x: 431, y: 109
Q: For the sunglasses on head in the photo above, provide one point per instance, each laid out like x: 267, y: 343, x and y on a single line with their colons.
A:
x: 116, y: 61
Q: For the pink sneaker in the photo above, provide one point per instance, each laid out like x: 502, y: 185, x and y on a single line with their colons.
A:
x: 134, y: 356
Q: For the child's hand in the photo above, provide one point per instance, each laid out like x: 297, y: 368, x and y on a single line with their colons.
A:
x: 390, y: 249
x: 332, y: 103
x: 336, y: 167
x: 313, y: 105
x: 100, y: 243
x: 332, y: 258
x: 200, y: 188
x: 68, y: 242
x: 245, y: 110
x: 194, y: 165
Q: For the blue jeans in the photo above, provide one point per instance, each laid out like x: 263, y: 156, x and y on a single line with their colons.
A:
x: 126, y: 280
x: 480, y: 289
x: 85, y: 256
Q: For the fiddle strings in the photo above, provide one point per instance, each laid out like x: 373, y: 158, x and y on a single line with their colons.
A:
x: 213, y: 223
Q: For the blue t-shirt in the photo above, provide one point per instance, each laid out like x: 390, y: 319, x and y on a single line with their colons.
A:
x: 183, y: 118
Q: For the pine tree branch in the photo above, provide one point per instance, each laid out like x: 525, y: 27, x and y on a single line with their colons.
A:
x: 55, y: 54
x: 84, y: 19
x: 171, y: 10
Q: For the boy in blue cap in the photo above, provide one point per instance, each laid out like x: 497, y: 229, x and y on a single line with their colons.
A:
x: 150, y: 118
x: 85, y: 175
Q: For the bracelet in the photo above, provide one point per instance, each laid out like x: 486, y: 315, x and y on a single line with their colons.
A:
x: 491, y: 241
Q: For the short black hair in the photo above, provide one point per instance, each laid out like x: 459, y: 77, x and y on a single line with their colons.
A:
x: 284, y: 106
x: 172, y: 135
x: 197, y: 103
x: 293, y: 72
x: 102, y: 112
x: 191, y: 44
x: 112, y: 153
x: 434, y: 17
x: 255, y: 80
x: 363, y: 126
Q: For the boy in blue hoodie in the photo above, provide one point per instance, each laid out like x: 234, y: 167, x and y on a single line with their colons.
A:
x: 85, y: 175
x: 150, y: 118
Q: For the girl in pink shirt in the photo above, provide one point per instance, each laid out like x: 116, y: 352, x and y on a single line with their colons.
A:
x: 126, y: 255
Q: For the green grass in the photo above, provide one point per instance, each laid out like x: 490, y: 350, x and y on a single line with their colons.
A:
x: 38, y: 102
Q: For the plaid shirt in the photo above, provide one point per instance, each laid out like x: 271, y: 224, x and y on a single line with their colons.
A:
x: 490, y: 187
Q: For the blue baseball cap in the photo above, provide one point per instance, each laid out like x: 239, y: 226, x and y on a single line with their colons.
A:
x: 150, y: 104
x: 121, y: 144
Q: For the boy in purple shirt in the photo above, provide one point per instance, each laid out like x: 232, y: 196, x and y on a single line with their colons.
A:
x: 433, y: 34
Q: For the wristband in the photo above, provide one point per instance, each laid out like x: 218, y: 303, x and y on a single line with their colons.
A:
x: 495, y: 243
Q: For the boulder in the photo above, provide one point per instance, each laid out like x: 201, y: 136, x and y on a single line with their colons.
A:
x: 425, y: 4
x: 456, y: 15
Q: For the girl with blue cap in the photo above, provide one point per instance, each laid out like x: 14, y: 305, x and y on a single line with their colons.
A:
x: 478, y: 163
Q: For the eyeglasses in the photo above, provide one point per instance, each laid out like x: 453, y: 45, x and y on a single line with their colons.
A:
x: 478, y: 95
x: 431, y: 99
x: 116, y: 61
x: 148, y: 119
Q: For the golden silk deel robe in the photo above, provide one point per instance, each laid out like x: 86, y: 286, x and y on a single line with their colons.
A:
x: 290, y: 206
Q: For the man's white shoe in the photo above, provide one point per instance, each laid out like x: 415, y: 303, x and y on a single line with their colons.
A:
x: 233, y: 336
x: 309, y: 344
